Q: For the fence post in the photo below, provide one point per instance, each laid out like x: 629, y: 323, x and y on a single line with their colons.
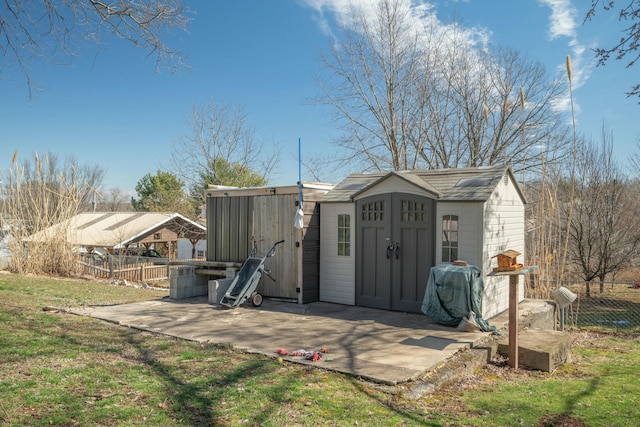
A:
x: 142, y: 273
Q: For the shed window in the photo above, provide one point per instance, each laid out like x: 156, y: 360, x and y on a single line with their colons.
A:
x: 373, y: 211
x: 344, y: 235
x: 449, y: 238
x: 413, y: 211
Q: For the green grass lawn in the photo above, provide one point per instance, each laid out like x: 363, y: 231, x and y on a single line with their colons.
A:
x: 61, y: 369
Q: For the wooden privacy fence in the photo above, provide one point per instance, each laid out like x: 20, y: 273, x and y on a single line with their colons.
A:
x: 138, y: 272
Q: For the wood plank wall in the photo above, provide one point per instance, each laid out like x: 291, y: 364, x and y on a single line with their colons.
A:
x: 269, y: 217
x: 229, y: 221
x: 273, y: 221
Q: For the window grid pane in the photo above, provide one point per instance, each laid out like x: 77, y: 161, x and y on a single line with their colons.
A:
x: 412, y: 211
x: 449, y: 238
x: 373, y: 211
x: 344, y: 234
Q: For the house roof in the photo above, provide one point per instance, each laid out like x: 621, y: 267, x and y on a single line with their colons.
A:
x: 460, y: 184
x: 117, y: 229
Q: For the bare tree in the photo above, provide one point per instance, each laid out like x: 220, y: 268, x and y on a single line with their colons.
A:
x: 629, y: 43
x: 634, y: 160
x: 38, y: 195
x: 521, y: 116
x: 115, y: 200
x: 603, y: 233
x: 410, y: 93
x: 376, y: 70
x: 222, y: 150
x: 54, y: 30
x: 491, y: 107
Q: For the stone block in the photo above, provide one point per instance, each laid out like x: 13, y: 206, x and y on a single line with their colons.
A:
x: 200, y: 286
x: 182, y: 282
x: 217, y: 289
x: 540, y: 349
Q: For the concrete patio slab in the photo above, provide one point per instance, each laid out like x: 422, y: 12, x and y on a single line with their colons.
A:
x: 379, y: 345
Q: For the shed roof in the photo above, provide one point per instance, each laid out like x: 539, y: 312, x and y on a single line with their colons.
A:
x: 226, y: 191
x: 412, y: 179
x: 459, y: 184
x: 117, y: 229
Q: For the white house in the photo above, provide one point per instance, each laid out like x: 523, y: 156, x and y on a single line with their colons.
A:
x: 382, y: 232
x: 187, y: 250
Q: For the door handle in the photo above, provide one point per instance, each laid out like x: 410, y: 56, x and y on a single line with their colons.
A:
x: 390, y: 248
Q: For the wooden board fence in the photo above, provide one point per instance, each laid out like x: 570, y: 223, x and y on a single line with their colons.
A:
x: 140, y: 272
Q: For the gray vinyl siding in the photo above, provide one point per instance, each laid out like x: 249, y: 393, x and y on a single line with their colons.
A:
x: 311, y: 247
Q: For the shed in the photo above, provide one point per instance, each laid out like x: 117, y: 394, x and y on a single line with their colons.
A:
x: 238, y: 217
x: 382, y: 232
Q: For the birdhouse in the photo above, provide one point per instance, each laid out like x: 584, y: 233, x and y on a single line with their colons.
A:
x: 507, y: 261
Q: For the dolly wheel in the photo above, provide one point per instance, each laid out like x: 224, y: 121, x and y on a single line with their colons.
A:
x: 256, y: 299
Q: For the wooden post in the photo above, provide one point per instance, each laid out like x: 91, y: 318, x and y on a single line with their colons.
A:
x: 513, y: 309
x: 513, y: 321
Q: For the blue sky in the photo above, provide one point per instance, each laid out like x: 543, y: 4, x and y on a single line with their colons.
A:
x: 111, y: 109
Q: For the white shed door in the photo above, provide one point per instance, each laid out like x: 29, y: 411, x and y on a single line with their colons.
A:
x: 337, y: 266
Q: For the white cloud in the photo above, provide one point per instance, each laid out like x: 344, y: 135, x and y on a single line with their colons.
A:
x: 562, y: 21
x: 338, y: 9
x: 563, y: 24
x: 422, y: 15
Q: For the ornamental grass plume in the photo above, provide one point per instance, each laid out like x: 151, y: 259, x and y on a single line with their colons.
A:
x: 573, y: 169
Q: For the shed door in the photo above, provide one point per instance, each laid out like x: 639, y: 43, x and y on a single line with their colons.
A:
x: 396, y: 242
x: 373, y: 269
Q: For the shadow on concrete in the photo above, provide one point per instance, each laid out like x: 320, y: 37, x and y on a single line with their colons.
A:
x: 382, y: 346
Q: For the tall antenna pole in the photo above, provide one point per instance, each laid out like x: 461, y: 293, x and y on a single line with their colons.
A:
x: 299, y: 172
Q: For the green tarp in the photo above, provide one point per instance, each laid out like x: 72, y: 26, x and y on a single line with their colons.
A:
x: 453, y: 292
